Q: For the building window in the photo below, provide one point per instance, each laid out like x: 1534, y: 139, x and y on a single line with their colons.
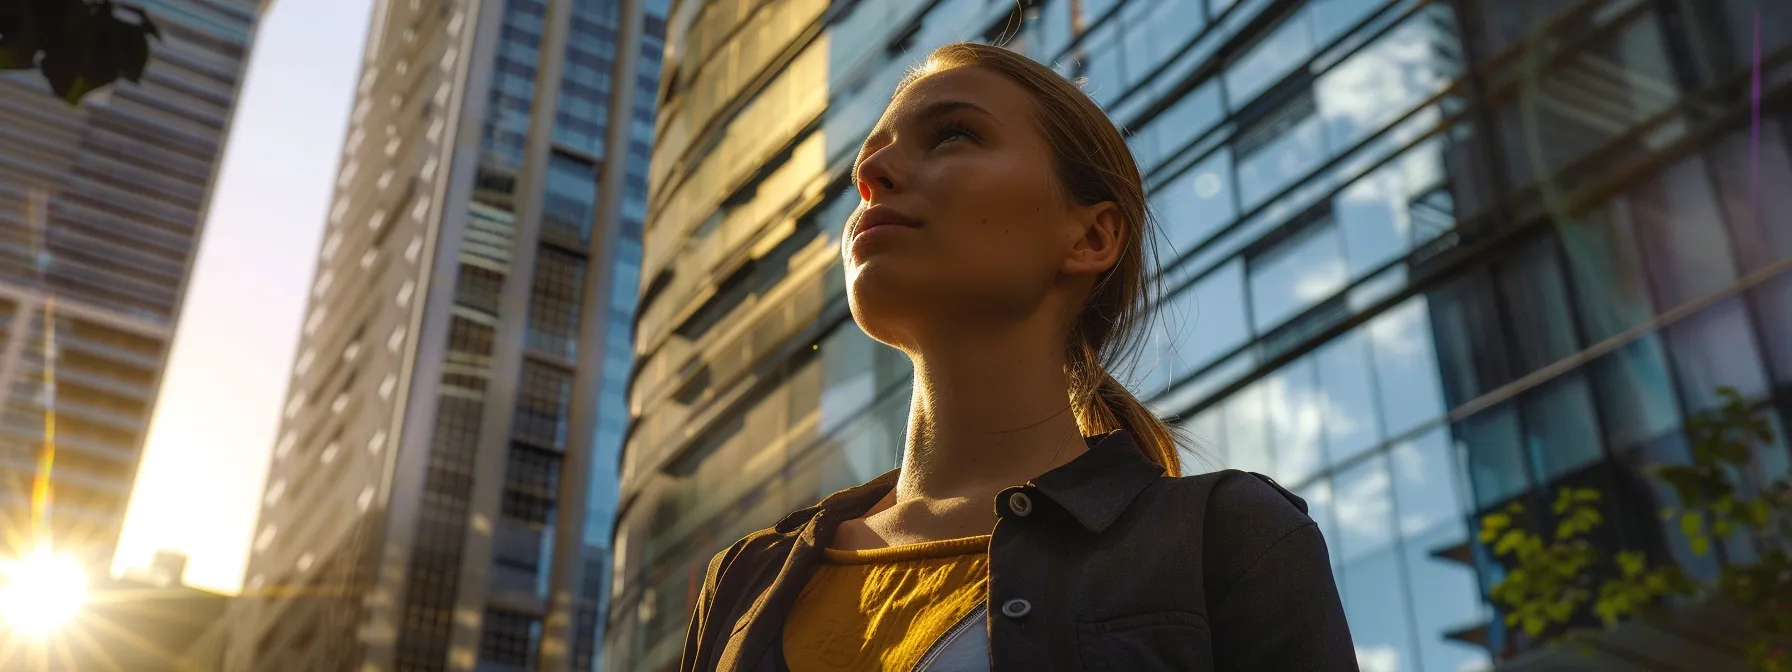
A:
x: 1375, y: 604
x: 1489, y: 444
x: 1296, y: 273
x: 1285, y: 48
x: 570, y: 197
x: 542, y: 398
x: 1207, y: 320
x: 507, y: 638
x: 1561, y: 431
x: 1279, y: 147
x: 1195, y: 205
x: 554, y: 306
x: 1347, y: 397
x: 531, y: 484
x: 1405, y: 367
x: 1296, y: 412
x: 479, y: 288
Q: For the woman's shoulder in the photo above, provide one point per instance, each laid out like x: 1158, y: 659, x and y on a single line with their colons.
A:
x: 1243, y: 513
x: 774, y: 540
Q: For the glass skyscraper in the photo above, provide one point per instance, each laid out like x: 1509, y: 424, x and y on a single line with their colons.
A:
x: 1421, y: 259
x: 444, y: 479
x: 101, y: 211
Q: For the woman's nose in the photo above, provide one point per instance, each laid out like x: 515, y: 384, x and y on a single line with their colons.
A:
x: 875, y: 176
x: 866, y: 189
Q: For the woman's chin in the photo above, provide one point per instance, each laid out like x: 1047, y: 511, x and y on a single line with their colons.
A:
x: 883, y: 299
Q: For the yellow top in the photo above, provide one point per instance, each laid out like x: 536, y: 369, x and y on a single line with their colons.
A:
x: 883, y: 608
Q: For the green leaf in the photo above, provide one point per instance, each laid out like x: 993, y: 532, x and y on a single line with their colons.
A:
x: 1758, y: 512
x: 1509, y: 541
x: 1700, y: 545
x: 1630, y: 563
x: 1534, y: 624
x: 1491, y: 524
x: 1691, y: 523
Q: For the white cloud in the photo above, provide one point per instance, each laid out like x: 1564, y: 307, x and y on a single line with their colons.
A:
x: 1381, y: 658
x: 1364, y: 509
x: 1321, y: 280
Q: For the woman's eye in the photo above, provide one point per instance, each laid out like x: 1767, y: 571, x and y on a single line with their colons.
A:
x: 949, y: 134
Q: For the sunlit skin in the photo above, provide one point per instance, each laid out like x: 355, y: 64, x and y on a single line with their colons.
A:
x: 979, y: 292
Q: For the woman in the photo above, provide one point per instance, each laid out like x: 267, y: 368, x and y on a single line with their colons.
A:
x: 1036, y: 522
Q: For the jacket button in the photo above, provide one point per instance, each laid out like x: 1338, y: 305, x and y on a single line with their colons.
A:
x: 1016, y: 608
x: 1020, y: 504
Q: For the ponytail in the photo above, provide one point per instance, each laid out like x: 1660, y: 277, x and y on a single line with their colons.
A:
x: 1102, y: 405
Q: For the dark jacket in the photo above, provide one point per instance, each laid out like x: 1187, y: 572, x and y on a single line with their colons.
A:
x: 1100, y: 564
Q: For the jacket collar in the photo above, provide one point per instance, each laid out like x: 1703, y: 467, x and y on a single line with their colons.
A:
x: 1095, y: 488
x: 1098, y: 485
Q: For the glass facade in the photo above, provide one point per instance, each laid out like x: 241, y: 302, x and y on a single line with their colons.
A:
x: 101, y: 211
x: 1418, y: 266
x: 475, y: 356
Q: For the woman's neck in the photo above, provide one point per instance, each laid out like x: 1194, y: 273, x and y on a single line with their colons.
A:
x: 987, y: 413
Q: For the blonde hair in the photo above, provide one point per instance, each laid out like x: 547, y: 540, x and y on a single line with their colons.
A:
x: 1093, y: 165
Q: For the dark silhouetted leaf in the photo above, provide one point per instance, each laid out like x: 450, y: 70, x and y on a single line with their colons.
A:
x: 78, y: 45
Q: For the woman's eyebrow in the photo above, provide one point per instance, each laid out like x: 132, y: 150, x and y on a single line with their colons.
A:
x: 932, y: 110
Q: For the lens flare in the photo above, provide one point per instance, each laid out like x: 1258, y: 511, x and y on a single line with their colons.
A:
x: 42, y: 592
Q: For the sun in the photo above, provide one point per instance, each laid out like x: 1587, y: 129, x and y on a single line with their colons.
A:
x: 42, y: 592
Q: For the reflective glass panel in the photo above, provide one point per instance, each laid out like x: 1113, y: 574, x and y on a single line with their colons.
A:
x: 1297, y: 273
x: 1364, y: 508
x: 1285, y: 48
x: 1715, y: 348
x: 1372, y: 214
x: 1347, y: 395
x: 1385, y: 79
x: 1169, y: 25
x: 1605, y: 269
x: 1677, y: 218
x: 1405, y: 367
x: 1375, y: 604
x: 1296, y: 416
x: 1773, y: 306
x: 1102, y: 65
x: 1290, y: 154
x: 1471, y: 342
x: 848, y: 382
x: 1332, y: 17
x: 1635, y: 393
x: 1536, y: 307
x: 1446, y: 599
x: 1197, y: 111
x: 1489, y: 445
x: 1247, y: 430
x: 1426, y: 489
x: 1195, y: 205
x: 1561, y: 432
x: 1207, y: 320
x: 1758, y: 216
x: 1205, y: 433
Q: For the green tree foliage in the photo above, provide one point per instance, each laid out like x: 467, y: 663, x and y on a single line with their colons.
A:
x: 1554, y: 579
x: 78, y: 45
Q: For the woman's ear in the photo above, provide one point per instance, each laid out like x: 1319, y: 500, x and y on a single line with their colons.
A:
x: 1102, y: 235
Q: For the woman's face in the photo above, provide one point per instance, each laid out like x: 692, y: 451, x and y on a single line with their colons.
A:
x: 961, y: 218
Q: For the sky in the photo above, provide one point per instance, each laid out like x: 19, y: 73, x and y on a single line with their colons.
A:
x: 206, y: 458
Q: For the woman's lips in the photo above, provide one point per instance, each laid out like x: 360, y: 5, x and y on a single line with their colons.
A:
x: 880, y: 216
x: 876, y: 224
